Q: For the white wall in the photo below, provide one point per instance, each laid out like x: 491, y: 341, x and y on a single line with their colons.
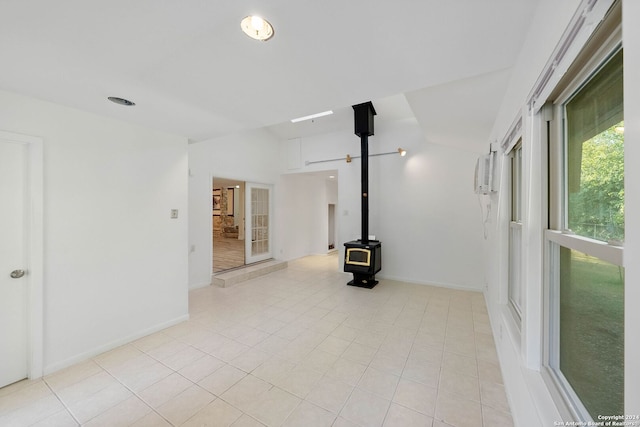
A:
x: 303, y: 213
x: 250, y: 156
x: 115, y: 264
x: 531, y: 402
x: 549, y: 22
x: 422, y: 206
x: 300, y: 212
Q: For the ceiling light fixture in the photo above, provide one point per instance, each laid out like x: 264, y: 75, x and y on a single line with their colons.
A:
x: 121, y: 101
x: 257, y: 28
x: 312, y: 116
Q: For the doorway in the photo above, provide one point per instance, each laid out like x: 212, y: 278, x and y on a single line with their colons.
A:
x: 228, y: 201
x: 331, y: 237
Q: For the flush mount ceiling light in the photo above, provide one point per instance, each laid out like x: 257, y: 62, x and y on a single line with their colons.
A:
x: 121, y: 101
x: 257, y: 28
x: 312, y: 116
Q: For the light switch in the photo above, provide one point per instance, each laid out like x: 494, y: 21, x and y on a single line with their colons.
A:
x: 174, y: 213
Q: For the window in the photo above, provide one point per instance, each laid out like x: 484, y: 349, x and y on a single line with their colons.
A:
x: 515, y: 232
x: 586, y: 348
x: 591, y: 330
x: 595, y: 156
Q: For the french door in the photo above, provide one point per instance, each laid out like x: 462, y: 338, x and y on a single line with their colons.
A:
x: 258, y: 239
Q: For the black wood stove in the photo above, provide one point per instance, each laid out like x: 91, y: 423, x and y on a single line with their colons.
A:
x: 363, y: 257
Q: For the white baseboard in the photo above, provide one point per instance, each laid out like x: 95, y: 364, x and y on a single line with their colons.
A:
x: 199, y: 285
x: 49, y: 369
x: 430, y: 283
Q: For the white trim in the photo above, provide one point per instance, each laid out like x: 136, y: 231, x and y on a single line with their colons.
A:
x: 562, y: 386
x: 596, y: 248
x: 513, y: 135
x: 516, y: 310
x: 513, y: 326
x: 598, y: 60
x: 515, y: 228
x: 515, y: 224
x: 35, y: 250
x: 582, y: 25
x: 532, y: 239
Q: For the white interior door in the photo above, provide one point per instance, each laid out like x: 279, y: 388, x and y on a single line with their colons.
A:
x: 258, y: 239
x: 13, y: 258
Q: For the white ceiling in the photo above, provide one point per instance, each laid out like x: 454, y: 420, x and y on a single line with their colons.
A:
x: 191, y: 71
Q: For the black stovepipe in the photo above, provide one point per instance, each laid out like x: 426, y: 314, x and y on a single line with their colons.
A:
x: 364, y: 180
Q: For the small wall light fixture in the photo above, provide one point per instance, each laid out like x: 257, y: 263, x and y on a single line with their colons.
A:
x: 257, y: 28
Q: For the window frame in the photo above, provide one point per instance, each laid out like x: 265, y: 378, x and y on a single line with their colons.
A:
x: 556, y: 234
x: 516, y: 204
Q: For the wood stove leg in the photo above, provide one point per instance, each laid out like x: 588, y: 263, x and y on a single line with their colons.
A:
x: 363, y: 281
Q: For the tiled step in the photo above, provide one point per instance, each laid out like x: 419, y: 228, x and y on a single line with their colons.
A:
x: 233, y: 277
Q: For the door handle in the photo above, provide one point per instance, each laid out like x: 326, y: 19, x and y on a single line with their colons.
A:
x: 16, y: 274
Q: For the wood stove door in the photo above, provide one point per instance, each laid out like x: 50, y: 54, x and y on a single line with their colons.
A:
x: 258, y: 222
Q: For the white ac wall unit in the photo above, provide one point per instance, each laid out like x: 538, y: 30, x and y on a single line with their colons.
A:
x: 483, y: 182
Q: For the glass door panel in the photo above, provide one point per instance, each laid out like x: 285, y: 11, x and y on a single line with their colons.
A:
x: 258, y: 247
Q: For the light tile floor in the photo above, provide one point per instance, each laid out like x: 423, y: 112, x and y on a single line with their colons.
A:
x: 294, y: 348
